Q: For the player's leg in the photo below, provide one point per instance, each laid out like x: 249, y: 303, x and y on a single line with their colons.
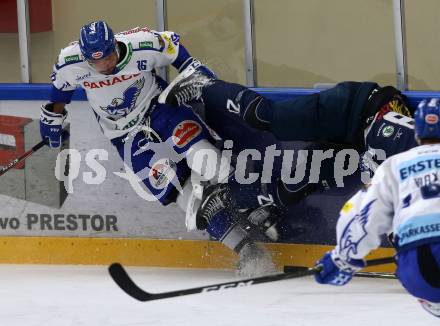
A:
x: 337, y: 115
x: 211, y: 209
x: 418, y: 269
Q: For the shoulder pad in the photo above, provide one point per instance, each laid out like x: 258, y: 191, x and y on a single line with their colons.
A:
x: 142, y: 39
x: 70, y: 55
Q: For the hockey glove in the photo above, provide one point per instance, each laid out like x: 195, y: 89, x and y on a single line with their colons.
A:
x: 335, y: 270
x: 51, y: 125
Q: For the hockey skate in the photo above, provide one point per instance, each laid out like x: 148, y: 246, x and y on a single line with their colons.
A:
x: 215, y: 199
x: 266, y: 218
x: 188, y: 85
x: 255, y: 260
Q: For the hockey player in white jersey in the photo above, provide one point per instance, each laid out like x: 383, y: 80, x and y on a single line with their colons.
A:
x: 117, y: 73
x: 403, y: 199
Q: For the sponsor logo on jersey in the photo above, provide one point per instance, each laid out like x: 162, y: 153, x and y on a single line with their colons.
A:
x: 79, y: 78
x: 185, y: 132
x: 136, y: 30
x: 145, y: 45
x: 97, y: 55
x: 109, y: 82
x: 422, y: 166
x: 431, y: 119
x: 162, y: 173
x: 120, y: 107
x: 388, y: 131
x: 72, y: 58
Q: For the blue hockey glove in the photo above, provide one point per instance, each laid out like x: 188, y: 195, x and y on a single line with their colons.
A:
x: 335, y: 270
x: 51, y: 125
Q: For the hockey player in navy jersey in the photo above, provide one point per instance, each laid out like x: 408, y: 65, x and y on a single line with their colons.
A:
x: 403, y: 199
x: 376, y: 121
x: 157, y: 143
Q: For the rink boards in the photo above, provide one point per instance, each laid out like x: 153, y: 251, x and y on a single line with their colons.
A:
x: 107, y: 222
x: 153, y: 252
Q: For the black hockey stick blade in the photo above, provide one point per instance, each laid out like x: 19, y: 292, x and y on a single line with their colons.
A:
x: 120, y: 276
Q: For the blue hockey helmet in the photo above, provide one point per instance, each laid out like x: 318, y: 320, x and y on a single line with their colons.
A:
x: 427, y: 119
x: 96, y: 40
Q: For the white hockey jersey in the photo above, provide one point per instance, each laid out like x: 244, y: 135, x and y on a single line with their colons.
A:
x: 120, y: 100
x: 403, y: 198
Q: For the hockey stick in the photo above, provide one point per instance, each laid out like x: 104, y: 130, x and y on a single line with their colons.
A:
x: 389, y: 276
x: 64, y: 135
x: 21, y: 158
x: 378, y: 261
x: 120, y: 276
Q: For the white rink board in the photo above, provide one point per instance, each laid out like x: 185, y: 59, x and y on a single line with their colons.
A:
x: 110, y: 209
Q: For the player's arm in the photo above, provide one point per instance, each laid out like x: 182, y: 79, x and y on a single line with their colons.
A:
x: 166, y: 49
x: 363, y: 220
x: 54, y: 113
x: 170, y: 51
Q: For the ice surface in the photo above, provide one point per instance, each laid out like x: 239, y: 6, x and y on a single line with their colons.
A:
x: 85, y: 295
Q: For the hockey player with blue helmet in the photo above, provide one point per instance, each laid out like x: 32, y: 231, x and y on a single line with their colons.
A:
x: 403, y: 199
x: 158, y: 145
x: 98, y: 46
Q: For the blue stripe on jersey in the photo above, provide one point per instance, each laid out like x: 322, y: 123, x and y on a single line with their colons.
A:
x: 419, y: 165
x: 67, y: 64
x: 418, y: 228
x: 182, y: 57
x: 58, y: 67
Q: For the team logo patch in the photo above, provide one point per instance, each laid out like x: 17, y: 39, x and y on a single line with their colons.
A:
x: 388, y: 131
x: 162, y: 173
x: 121, y: 106
x: 97, y: 55
x: 431, y: 119
x: 185, y: 132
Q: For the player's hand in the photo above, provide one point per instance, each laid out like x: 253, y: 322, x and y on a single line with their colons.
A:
x: 51, y: 126
x: 335, y: 270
